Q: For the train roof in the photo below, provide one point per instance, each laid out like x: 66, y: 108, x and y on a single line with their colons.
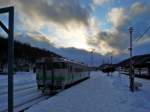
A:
x: 59, y: 59
x: 68, y: 61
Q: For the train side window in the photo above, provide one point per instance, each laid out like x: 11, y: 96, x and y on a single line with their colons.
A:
x: 49, y: 66
x: 78, y: 69
x: 64, y: 65
x: 56, y: 65
x: 59, y: 65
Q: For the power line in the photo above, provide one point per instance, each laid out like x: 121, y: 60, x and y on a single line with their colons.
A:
x: 142, y: 35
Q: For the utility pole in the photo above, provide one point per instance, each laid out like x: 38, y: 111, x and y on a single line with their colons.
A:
x: 92, y: 51
x: 10, y: 32
x: 131, y: 64
x: 103, y: 62
x: 111, y: 60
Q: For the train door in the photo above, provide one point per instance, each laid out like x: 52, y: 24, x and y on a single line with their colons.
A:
x: 49, y: 75
x: 40, y: 75
x: 70, y: 73
x: 60, y: 72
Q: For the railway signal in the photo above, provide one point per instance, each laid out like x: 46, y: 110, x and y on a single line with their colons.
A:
x: 10, y: 32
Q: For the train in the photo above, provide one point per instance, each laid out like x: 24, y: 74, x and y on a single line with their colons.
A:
x: 55, y: 74
x: 108, y: 68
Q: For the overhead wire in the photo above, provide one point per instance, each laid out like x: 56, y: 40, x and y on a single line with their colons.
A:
x: 141, y: 36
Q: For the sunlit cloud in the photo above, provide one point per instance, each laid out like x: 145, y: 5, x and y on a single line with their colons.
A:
x: 100, y: 2
x: 145, y: 39
x: 67, y: 23
x: 137, y: 8
x: 5, y: 3
x: 118, y: 17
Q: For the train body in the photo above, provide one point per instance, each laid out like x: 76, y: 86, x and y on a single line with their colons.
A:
x: 54, y: 74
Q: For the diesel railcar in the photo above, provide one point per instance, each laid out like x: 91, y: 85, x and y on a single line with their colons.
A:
x: 54, y: 74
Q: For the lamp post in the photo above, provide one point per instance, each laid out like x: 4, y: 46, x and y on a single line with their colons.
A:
x: 131, y: 64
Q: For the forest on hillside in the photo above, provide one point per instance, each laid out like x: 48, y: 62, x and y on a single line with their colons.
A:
x: 22, y: 51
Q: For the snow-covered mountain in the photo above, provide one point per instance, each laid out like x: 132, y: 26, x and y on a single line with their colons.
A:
x: 38, y: 40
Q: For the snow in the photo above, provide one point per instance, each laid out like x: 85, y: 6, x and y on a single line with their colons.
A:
x: 100, y: 93
x: 25, y: 90
x: 19, y: 78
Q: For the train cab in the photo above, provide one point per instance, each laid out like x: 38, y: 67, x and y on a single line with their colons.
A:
x: 50, y: 74
x: 54, y: 74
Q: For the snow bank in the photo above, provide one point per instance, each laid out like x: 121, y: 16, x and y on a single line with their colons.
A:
x: 25, y: 88
x: 99, y: 94
x: 19, y: 78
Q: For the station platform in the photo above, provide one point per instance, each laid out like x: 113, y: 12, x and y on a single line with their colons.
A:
x: 100, y: 93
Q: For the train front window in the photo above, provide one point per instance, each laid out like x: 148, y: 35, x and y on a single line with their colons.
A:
x: 59, y: 65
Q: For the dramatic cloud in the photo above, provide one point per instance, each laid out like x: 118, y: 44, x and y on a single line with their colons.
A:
x: 137, y: 8
x: 72, y: 26
x: 115, y: 40
x: 144, y: 40
x: 4, y: 3
x: 58, y: 11
x: 99, y: 2
x: 110, y: 42
x: 69, y: 24
x: 66, y: 21
x: 40, y: 41
x: 72, y: 53
x: 118, y: 17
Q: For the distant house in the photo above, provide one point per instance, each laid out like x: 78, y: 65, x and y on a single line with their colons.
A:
x: 141, y: 65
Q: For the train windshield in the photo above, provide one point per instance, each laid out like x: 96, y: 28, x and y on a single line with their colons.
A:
x: 59, y: 65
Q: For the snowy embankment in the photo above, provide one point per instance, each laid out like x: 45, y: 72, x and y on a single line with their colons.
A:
x: 25, y: 91
x: 101, y: 93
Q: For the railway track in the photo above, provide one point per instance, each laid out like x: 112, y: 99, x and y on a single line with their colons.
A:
x: 16, y: 84
x: 5, y: 91
x: 25, y: 104
x: 23, y: 99
x: 26, y: 94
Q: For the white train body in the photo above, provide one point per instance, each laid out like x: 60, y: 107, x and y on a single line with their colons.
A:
x: 57, y: 73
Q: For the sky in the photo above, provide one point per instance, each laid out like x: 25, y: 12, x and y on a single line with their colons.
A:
x: 73, y: 28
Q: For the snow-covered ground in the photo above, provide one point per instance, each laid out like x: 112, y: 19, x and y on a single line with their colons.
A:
x: 25, y: 91
x: 101, y: 93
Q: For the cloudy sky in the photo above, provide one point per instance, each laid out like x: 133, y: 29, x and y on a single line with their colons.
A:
x: 74, y: 27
